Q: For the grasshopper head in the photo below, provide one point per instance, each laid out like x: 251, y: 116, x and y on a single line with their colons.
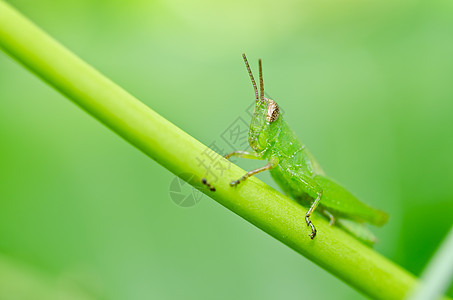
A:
x: 266, y: 120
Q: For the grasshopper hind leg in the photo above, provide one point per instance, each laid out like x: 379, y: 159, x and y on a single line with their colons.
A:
x: 330, y: 216
x: 303, y: 188
x: 309, y: 213
x: 313, y: 228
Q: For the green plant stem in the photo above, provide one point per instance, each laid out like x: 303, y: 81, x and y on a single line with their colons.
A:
x: 279, y: 216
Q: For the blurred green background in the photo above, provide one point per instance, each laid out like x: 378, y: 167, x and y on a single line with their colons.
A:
x: 366, y: 85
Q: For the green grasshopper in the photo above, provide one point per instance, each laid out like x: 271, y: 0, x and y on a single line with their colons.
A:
x: 297, y: 172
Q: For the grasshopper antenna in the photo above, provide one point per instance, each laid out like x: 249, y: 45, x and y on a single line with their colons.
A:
x: 251, y: 76
x: 261, y: 80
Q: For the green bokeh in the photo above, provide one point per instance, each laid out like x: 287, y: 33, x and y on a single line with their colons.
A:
x: 366, y: 85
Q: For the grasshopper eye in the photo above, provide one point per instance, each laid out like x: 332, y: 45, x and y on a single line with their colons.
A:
x: 272, y: 111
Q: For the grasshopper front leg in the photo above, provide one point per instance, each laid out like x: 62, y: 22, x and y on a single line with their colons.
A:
x: 268, y: 166
x: 243, y: 154
x: 271, y: 164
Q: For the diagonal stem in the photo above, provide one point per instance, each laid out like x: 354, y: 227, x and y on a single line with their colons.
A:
x: 279, y: 216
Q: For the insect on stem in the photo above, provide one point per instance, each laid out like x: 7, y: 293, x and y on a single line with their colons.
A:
x: 298, y: 173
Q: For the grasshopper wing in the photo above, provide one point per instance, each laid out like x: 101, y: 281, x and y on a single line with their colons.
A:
x: 342, y: 203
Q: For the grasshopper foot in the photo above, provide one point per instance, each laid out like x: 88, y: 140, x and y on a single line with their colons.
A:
x: 205, y: 182
x: 236, y: 182
x: 313, y: 229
